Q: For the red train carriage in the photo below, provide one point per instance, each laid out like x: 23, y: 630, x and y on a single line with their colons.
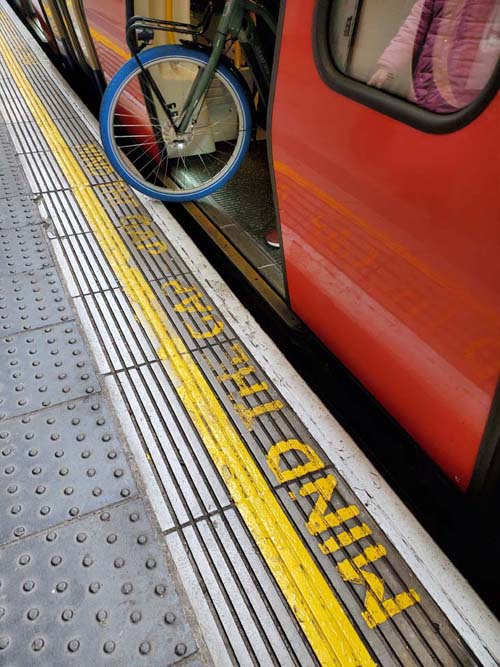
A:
x: 386, y: 165
x: 390, y: 221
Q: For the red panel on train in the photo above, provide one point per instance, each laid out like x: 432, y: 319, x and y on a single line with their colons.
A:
x: 391, y: 241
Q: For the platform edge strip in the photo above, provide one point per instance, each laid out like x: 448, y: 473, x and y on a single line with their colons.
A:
x: 321, y: 616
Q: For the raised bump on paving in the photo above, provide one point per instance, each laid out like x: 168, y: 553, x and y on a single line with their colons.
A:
x: 92, y: 591
x: 32, y: 300
x: 63, y: 462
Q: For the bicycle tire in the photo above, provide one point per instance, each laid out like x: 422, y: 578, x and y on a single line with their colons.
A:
x: 131, y: 69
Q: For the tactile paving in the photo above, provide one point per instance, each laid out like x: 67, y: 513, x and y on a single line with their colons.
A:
x: 31, y: 300
x: 16, y: 212
x: 42, y: 368
x: 8, y: 157
x: 23, y: 249
x: 92, y: 592
x: 59, y: 464
x: 12, y: 180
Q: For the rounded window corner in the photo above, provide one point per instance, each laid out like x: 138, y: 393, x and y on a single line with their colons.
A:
x: 384, y: 102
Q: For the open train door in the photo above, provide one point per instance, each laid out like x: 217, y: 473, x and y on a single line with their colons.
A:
x: 387, y: 187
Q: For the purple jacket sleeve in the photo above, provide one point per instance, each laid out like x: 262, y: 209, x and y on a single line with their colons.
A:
x: 400, y: 48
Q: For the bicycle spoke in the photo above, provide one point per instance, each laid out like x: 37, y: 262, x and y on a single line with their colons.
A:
x: 203, y: 162
x: 166, y: 171
x: 156, y: 172
x: 148, y: 163
x: 137, y: 148
x: 163, y: 150
x: 143, y: 131
x: 143, y: 143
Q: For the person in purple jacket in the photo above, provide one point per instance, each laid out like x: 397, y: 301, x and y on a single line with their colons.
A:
x: 453, y: 46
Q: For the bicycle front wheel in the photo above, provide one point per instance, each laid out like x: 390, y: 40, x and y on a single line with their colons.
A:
x: 141, y: 142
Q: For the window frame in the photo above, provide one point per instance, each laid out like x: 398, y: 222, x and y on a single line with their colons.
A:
x: 382, y: 101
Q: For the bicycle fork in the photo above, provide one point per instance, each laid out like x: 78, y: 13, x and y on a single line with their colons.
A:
x: 230, y: 23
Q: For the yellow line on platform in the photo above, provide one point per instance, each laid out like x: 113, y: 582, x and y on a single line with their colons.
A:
x: 320, y: 615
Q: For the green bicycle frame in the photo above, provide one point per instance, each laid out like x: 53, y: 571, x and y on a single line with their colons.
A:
x: 235, y: 20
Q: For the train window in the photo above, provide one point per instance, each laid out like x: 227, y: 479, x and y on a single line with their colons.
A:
x: 441, y: 56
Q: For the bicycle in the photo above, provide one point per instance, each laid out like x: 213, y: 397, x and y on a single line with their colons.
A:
x: 176, y: 120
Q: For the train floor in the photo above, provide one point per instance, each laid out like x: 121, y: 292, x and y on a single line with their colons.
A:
x: 171, y: 491
x: 243, y: 211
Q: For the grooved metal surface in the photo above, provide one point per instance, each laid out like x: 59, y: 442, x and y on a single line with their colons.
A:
x: 261, y: 432
x: 432, y: 643
x: 42, y: 172
x: 75, y: 134
x: 27, y: 138
x: 60, y: 210
x: 94, y: 163
x: 188, y: 478
x: 110, y: 323
x: 199, y: 324
x: 246, y: 614
x: 12, y: 107
x: 92, y: 592
x: 42, y: 368
x: 23, y: 249
x: 58, y: 464
x: 249, y: 616
x: 156, y: 258
x: 4, y: 70
x: 159, y: 260
x: 90, y: 271
x: 54, y: 99
x: 151, y: 482
x: 31, y: 300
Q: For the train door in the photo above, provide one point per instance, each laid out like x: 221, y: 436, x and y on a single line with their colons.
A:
x: 78, y: 34
x: 107, y: 21
x: 62, y: 24
x: 385, y: 150
x: 51, y: 14
x: 35, y: 17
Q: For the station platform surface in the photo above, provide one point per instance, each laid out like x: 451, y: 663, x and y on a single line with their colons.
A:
x: 171, y: 491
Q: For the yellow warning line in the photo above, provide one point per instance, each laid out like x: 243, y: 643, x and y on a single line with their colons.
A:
x: 320, y: 615
x: 107, y: 42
